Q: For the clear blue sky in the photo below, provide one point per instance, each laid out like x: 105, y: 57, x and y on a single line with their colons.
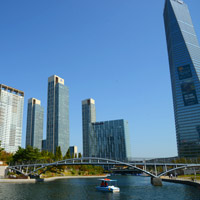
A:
x: 111, y: 50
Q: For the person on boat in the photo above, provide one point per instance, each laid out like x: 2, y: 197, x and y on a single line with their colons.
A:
x: 102, y: 184
x: 106, y: 184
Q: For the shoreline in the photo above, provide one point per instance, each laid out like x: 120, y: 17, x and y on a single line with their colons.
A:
x: 47, y: 179
x: 182, y: 181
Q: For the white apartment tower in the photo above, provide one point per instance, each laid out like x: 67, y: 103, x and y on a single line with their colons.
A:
x: 11, y: 117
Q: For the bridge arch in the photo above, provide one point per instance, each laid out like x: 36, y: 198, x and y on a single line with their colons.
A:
x: 78, y: 161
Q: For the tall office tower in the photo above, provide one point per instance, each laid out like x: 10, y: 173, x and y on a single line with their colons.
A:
x: 34, y: 127
x: 11, y: 117
x: 57, y: 115
x: 110, y: 140
x: 88, y: 116
x: 184, y: 62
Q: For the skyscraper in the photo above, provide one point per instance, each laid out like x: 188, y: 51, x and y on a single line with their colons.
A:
x: 11, y: 117
x: 110, y: 139
x: 88, y: 116
x: 57, y: 115
x: 34, y: 128
x: 107, y: 139
x: 184, y: 62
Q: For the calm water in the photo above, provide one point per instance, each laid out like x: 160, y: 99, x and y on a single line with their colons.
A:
x: 132, y: 187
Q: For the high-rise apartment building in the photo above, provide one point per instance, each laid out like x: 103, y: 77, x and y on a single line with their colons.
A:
x: 88, y: 116
x: 184, y: 62
x: 108, y: 139
x: 34, y: 128
x: 57, y: 115
x: 11, y: 117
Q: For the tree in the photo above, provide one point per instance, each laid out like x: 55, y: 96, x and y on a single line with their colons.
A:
x: 5, y: 156
x: 19, y: 156
x: 67, y: 155
x: 79, y: 155
x: 28, y: 154
x: 72, y: 155
x: 75, y: 155
x: 50, y: 155
x: 1, y: 149
x: 58, y: 154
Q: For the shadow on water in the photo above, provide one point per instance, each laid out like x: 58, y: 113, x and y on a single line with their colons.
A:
x: 131, y: 187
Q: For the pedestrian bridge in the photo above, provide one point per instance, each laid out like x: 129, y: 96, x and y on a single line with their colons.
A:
x: 33, y: 169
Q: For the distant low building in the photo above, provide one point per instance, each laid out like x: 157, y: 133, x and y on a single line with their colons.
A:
x: 73, y: 151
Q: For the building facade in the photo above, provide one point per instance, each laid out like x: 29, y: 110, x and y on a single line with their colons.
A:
x: 184, y: 61
x: 34, y: 127
x: 44, y: 146
x: 73, y: 151
x: 57, y: 115
x: 11, y: 117
x: 88, y: 116
x: 108, y: 139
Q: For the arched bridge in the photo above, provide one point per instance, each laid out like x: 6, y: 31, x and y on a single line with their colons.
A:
x: 32, y: 169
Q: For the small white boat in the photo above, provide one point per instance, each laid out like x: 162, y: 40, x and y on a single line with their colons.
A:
x: 108, y: 185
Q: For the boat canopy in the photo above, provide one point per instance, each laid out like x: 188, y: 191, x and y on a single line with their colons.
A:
x: 107, y: 180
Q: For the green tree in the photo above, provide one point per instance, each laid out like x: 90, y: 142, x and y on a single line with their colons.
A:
x: 67, y: 155
x: 1, y: 149
x: 47, y: 156
x: 32, y: 154
x: 29, y: 154
x: 79, y: 155
x: 44, y: 155
x: 75, y: 155
x: 19, y: 156
x: 72, y: 155
x: 58, y: 154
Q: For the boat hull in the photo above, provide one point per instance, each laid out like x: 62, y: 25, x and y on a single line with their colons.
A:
x: 108, y: 189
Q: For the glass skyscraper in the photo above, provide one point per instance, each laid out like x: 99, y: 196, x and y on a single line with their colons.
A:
x: 11, y: 117
x: 34, y: 128
x: 57, y: 115
x: 108, y: 139
x: 184, y: 62
x: 88, y: 116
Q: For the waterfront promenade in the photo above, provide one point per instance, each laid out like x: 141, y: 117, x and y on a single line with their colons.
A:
x: 47, y: 179
x: 186, y: 181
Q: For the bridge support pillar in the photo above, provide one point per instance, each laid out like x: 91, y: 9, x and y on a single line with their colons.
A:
x: 156, y: 181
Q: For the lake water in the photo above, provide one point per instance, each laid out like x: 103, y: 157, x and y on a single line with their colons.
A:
x: 132, y: 187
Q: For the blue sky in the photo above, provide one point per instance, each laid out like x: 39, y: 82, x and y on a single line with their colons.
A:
x: 111, y: 50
